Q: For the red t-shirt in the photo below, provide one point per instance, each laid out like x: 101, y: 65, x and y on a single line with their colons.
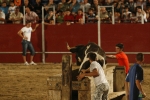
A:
x: 123, y: 60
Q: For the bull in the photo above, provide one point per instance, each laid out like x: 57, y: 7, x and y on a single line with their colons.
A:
x: 82, y: 52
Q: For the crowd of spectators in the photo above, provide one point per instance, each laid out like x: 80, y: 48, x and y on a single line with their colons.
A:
x: 71, y: 11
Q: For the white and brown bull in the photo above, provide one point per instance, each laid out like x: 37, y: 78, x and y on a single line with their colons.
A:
x: 82, y: 52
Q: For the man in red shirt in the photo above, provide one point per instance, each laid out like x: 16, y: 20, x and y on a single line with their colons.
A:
x: 121, y: 57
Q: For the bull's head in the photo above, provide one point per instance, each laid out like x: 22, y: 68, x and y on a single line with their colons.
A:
x: 82, y: 52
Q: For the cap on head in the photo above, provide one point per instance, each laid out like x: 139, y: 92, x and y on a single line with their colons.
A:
x: 120, y: 45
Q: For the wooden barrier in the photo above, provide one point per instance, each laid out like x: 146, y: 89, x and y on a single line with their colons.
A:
x: 60, y: 87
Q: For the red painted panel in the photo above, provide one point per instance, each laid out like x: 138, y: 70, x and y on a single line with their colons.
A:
x: 135, y: 38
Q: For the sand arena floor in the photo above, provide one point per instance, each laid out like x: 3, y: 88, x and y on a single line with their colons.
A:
x: 18, y: 82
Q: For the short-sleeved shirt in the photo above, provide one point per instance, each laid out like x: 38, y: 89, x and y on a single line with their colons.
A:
x: 31, y: 17
x: 101, y: 78
x: 123, y: 60
x: 16, y: 16
x: 135, y: 73
x: 2, y: 15
x: 27, y: 32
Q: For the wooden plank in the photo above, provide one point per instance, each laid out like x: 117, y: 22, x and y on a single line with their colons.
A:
x: 54, y: 95
x: 116, y: 94
x: 119, y: 79
x: 81, y: 85
x: 84, y: 95
x: 66, y: 77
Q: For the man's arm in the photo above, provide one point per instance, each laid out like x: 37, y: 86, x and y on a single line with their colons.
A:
x: 111, y: 56
x: 21, y: 35
x: 35, y: 27
x: 94, y: 73
x: 139, y: 86
x: 127, y: 90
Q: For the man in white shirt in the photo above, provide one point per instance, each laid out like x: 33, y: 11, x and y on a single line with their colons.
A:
x: 101, y: 83
x: 25, y: 34
x: 2, y: 16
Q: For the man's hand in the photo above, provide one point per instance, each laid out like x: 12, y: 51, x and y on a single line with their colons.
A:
x: 36, y: 25
x: 83, y: 70
x: 25, y: 38
x: 143, y: 94
x: 80, y: 76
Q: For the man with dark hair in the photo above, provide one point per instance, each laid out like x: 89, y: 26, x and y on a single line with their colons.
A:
x: 25, y: 34
x: 101, y: 83
x: 121, y: 57
x: 134, y: 91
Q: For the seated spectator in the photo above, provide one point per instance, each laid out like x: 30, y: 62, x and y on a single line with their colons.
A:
x: 95, y: 5
x: 91, y: 17
x: 126, y: 16
x: 2, y: 17
x: 26, y: 4
x: 17, y: 2
x: 16, y: 17
x: 49, y: 16
x: 117, y: 17
x: 50, y: 5
x: 104, y: 15
x: 4, y: 8
x: 132, y: 6
x: 133, y: 18
x: 38, y: 8
x: 139, y: 14
x: 68, y: 18
x: 120, y: 6
x: 60, y: 17
x: 63, y: 6
x: 79, y: 17
x: 31, y: 16
x: 86, y: 6
x: 74, y: 7
x: 11, y: 8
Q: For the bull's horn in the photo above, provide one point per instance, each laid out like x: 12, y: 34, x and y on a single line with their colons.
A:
x: 68, y: 47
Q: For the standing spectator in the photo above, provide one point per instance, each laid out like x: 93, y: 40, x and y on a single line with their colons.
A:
x: 121, y: 57
x: 96, y: 71
x: 31, y: 16
x: 50, y: 5
x: 108, y: 3
x: 38, y: 8
x: 63, y: 6
x: 132, y: 6
x: 26, y: 4
x: 25, y: 34
x: 95, y: 5
x: 74, y: 7
x: 86, y: 6
x: 2, y: 16
x: 91, y: 17
x: 134, y: 78
x: 16, y: 17
x: 11, y: 8
x: 120, y: 6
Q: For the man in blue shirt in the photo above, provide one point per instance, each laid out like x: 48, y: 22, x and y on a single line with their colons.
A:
x: 134, y: 79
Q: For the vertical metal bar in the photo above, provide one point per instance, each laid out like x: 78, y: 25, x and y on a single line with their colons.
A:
x: 54, y: 15
x: 142, y: 17
x: 83, y: 14
x: 113, y: 18
x: 24, y: 22
x: 43, y: 38
x: 99, y: 21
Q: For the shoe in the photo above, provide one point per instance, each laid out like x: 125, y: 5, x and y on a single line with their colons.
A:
x: 26, y: 63
x: 32, y: 63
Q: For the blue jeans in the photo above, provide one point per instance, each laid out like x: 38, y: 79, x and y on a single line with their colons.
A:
x: 27, y: 45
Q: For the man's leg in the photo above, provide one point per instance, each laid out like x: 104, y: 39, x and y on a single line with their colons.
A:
x: 24, y: 50
x: 106, y: 90
x: 99, y: 92
x: 31, y: 49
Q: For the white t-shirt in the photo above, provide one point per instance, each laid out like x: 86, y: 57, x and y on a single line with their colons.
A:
x: 12, y: 9
x: 2, y: 15
x: 27, y: 32
x: 101, y: 78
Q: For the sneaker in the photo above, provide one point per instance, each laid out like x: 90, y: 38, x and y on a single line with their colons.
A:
x: 32, y: 63
x: 26, y: 63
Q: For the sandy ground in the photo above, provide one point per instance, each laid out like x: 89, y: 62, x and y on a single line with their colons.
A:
x: 19, y: 82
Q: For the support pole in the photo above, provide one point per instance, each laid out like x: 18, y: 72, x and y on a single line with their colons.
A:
x: 43, y: 37
x: 24, y: 22
x: 99, y: 21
